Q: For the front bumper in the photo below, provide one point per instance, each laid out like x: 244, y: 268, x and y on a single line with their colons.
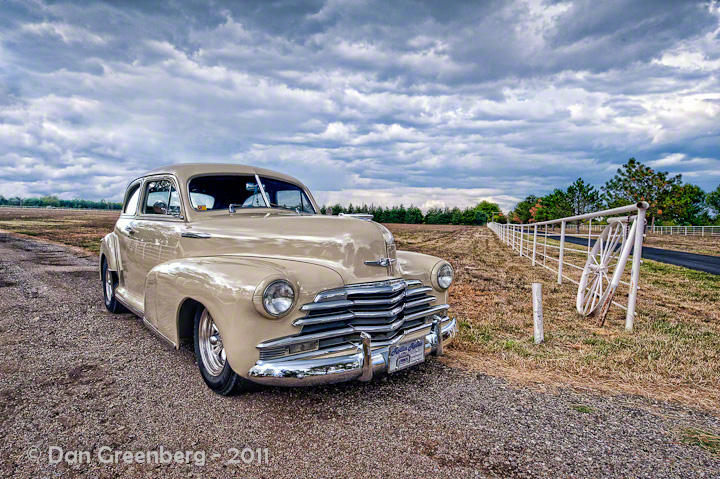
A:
x: 362, y: 364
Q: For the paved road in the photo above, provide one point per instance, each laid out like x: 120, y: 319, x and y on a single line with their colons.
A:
x: 79, y: 378
x: 698, y: 262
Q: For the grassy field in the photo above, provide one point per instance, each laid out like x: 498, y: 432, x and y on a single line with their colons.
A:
x: 673, y: 353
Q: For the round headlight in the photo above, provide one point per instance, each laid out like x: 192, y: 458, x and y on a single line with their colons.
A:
x: 278, y: 297
x: 445, y: 276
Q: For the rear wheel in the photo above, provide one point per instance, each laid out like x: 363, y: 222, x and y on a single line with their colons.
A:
x: 109, y: 284
x: 211, y: 358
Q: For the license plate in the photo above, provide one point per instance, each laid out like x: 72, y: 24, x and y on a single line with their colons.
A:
x: 406, y: 354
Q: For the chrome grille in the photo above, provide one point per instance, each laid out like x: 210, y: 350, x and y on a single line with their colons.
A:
x: 382, y: 309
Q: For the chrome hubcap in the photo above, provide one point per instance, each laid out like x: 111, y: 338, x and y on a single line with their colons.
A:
x: 212, y: 351
x: 108, y: 284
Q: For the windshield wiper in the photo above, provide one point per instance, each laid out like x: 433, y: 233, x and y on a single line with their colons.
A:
x: 296, y: 210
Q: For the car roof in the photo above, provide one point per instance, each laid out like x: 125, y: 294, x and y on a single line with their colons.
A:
x: 185, y: 171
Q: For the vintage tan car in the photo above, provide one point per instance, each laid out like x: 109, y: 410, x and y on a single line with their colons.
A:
x: 237, y: 260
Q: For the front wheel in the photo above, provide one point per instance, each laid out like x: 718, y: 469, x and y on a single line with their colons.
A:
x: 109, y: 283
x: 210, y: 356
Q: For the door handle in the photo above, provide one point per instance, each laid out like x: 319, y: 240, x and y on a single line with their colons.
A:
x: 130, y: 230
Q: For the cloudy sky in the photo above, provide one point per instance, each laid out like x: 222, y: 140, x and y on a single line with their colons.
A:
x: 430, y: 103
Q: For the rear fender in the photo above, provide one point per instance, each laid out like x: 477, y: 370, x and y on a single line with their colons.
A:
x: 109, y: 250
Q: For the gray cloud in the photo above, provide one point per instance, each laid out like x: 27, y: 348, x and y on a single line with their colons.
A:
x: 415, y: 102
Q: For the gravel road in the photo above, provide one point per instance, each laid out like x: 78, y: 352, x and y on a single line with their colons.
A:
x: 78, y: 378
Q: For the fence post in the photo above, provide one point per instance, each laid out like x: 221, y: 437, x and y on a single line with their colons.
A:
x: 562, y: 251
x: 537, y: 313
x: 522, y: 231
x: 635, y: 274
x: 534, y: 244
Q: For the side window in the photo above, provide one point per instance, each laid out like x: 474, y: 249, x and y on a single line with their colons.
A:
x: 131, y: 199
x: 161, y: 198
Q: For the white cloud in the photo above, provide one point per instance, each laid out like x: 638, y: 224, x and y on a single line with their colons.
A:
x: 381, y: 102
x: 67, y: 33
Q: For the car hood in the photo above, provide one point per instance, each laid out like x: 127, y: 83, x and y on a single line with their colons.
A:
x: 343, y: 244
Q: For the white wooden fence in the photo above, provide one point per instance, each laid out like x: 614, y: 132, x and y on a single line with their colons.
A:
x: 687, y: 230
x: 605, y: 255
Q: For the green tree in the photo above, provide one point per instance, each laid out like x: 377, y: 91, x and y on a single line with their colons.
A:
x: 481, y: 218
x: 551, y: 206
x: 488, y: 208
x: 521, y: 213
x: 582, y: 198
x: 684, y: 205
x: 636, y: 182
x: 413, y: 215
x: 712, y: 200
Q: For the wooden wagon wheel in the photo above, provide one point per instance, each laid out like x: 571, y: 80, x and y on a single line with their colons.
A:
x: 595, y: 282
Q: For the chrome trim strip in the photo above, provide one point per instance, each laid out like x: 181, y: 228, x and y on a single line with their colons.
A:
x: 190, y: 234
x: 341, y: 303
x: 305, y: 337
x: 427, y: 312
x: 419, y: 302
x: 330, y: 295
x: 385, y: 328
x: 416, y: 291
x: 349, y: 303
x: 380, y: 314
x: 375, y: 302
x: 157, y: 333
x: 323, y: 319
x: 392, y: 288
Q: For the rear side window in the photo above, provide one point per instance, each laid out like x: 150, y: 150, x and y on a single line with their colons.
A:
x: 131, y: 199
x: 161, y: 198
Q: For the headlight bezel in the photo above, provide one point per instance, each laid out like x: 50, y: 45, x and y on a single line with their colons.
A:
x: 260, y: 296
x: 435, y: 276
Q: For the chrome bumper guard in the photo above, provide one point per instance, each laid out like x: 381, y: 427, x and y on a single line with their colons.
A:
x: 361, y: 365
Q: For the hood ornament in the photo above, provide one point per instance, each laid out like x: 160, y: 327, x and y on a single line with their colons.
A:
x: 382, y: 262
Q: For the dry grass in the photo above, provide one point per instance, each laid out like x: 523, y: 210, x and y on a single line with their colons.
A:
x: 673, y: 353
x: 83, y: 229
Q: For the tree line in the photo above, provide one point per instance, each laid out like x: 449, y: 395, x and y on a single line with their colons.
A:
x: 671, y: 202
x: 55, y: 202
x: 477, y: 215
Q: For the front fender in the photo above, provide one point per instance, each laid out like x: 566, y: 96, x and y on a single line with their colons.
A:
x: 420, y: 266
x: 225, y: 285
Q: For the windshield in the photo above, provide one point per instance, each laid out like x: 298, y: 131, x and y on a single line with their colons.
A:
x: 286, y: 195
x: 218, y: 192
